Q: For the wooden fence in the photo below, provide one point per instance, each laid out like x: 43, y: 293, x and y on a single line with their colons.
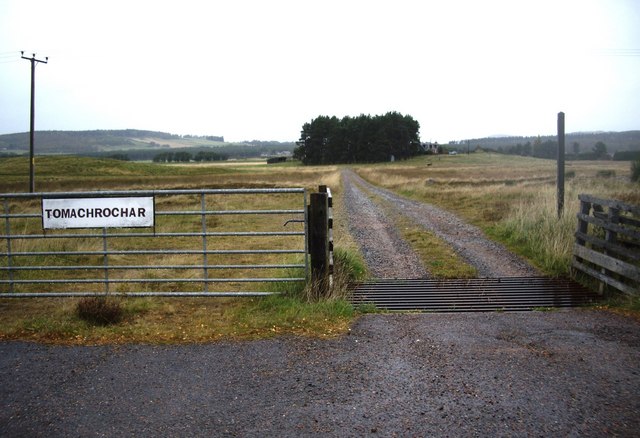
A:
x: 607, y: 245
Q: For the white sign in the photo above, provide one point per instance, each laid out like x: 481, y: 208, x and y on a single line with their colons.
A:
x: 98, y: 212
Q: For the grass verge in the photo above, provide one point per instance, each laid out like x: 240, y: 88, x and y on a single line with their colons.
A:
x: 190, y: 320
x: 621, y: 304
x: 174, y: 320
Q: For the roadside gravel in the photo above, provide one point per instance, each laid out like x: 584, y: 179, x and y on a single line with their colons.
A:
x: 572, y: 373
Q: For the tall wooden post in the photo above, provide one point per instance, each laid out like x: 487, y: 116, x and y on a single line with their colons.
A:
x: 560, y: 179
x: 319, y: 240
x: 33, y: 60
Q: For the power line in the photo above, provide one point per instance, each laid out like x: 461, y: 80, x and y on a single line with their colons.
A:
x: 617, y: 52
x: 8, y: 57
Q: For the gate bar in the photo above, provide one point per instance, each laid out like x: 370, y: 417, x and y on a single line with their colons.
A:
x: 114, y: 267
x: 198, y: 234
x: 114, y: 193
x: 156, y: 280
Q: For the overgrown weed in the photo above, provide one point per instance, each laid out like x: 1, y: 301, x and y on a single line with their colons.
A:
x: 100, y: 310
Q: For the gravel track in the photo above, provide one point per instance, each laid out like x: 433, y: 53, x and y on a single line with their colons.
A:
x: 386, y: 253
x: 489, y: 258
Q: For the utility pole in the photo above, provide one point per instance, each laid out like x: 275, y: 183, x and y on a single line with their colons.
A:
x: 32, y: 184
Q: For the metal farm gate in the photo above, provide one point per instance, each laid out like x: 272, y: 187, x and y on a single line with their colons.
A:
x: 212, y: 242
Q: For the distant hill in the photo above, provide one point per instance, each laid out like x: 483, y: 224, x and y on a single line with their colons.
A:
x: 615, y: 141
x: 138, y: 144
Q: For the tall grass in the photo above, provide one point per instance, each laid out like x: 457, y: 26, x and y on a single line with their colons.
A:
x: 532, y: 228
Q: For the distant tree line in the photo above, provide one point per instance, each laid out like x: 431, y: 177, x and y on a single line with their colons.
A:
x: 219, y: 138
x: 626, y: 156
x: 615, y: 141
x: 185, y: 157
x: 549, y: 149
x: 171, y: 157
x: 539, y: 149
x: 209, y: 156
x: 119, y: 157
x: 229, y: 150
x: 364, y: 139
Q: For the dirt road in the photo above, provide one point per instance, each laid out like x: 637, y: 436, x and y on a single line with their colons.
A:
x: 375, y: 232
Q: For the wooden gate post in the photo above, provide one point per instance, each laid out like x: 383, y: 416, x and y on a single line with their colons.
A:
x: 319, y: 240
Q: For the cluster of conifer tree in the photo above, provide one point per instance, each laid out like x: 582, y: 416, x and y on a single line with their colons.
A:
x: 362, y: 139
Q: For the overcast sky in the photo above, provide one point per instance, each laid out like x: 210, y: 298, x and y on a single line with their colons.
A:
x: 256, y: 69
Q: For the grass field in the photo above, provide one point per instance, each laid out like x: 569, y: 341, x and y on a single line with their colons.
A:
x: 511, y: 198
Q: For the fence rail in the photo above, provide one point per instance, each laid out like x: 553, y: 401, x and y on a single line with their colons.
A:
x: 247, y: 245
x: 607, y: 245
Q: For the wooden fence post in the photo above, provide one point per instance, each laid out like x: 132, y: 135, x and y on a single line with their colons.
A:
x: 583, y: 225
x: 613, y: 216
x: 583, y: 229
x: 560, y: 178
x: 319, y: 240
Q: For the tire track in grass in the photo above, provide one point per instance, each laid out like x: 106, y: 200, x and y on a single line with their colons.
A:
x: 386, y: 253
